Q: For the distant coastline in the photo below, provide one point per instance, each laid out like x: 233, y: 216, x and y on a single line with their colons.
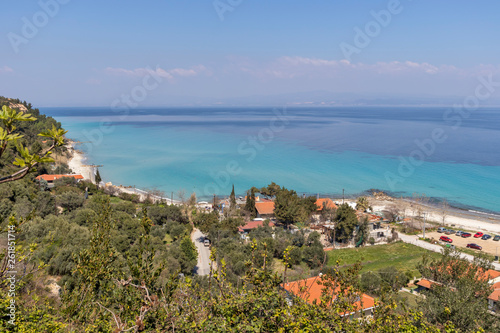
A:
x: 319, y: 151
x: 456, y: 217
x: 77, y: 164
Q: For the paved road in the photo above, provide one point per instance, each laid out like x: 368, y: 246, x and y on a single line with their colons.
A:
x: 203, y: 266
x: 436, y: 248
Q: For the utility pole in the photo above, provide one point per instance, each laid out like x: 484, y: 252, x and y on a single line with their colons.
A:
x: 342, y: 196
x: 334, y: 235
x: 425, y: 215
x: 172, y: 197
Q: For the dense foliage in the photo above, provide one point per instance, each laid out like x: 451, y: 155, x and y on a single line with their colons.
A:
x: 114, y: 264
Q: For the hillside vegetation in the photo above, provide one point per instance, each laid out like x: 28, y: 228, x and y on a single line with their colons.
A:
x: 84, y: 261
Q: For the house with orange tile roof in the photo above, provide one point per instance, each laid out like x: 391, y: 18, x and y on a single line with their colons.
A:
x: 325, y: 202
x: 491, y: 275
x: 425, y: 284
x: 251, y: 225
x: 311, y: 290
x: 265, y: 209
x: 494, y: 298
x: 51, y: 178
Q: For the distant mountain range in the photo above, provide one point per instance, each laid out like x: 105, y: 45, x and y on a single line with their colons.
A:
x: 317, y: 98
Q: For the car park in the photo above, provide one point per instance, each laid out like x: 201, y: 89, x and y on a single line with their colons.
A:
x: 474, y: 246
x: 486, y: 237
x: 446, y: 239
x: 496, y: 238
x: 441, y: 229
x: 466, y: 234
x: 478, y: 235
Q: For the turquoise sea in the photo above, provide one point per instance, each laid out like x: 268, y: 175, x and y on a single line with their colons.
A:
x: 436, y: 151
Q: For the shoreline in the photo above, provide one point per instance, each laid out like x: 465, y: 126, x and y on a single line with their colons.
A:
x: 76, y: 161
x: 455, y: 217
x: 77, y: 164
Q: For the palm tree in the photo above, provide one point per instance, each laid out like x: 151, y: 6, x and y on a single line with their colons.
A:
x: 363, y: 204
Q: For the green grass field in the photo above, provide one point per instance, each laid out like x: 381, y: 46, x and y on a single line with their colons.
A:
x: 401, y: 255
x: 115, y: 200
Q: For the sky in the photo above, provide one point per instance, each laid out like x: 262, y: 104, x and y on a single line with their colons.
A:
x: 206, y: 52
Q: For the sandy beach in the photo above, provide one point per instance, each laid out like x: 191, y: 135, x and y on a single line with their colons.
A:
x: 77, y: 164
x: 454, y: 218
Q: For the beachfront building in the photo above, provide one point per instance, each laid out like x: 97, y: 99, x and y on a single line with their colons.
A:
x: 310, y: 290
x: 50, y: 179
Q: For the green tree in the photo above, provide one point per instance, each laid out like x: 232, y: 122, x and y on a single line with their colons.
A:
x: 25, y: 160
x: 94, y: 268
x: 393, y: 278
x: 290, y: 208
x: 370, y: 282
x: 363, y: 232
x: 232, y: 199
x: 313, y: 253
x: 161, y: 215
x: 250, y: 203
x: 271, y: 190
x: 345, y: 222
x: 363, y: 204
x: 71, y: 200
x: 459, y: 293
x: 287, y: 206
x: 188, y: 248
x: 98, y: 178
x: 206, y: 221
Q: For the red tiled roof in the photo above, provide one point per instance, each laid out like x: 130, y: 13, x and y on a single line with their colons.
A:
x: 50, y: 178
x: 310, y: 290
x: 265, y: 208
x: 253, y: 225
x: 328, y: 202
x: 495, y: 295
x: 492, y: 274
x: 425, y: 283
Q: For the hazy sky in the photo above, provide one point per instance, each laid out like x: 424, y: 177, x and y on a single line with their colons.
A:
x: 69, y: 52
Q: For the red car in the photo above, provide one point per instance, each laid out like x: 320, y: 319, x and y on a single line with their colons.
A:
x: 466, y: 234
x: 478, y: 235
x: 446, y: 239
x: 474, y: 246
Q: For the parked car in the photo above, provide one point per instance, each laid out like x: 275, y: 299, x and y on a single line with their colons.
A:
x: 449, y: 232
x: 486, y: 237
x: 478, y: 235
x: 466, y: 234
x: 206, y: 242
x: 446, y: 239
x: 441, y: 229
x: 496, y: 238
x: 459, y: 233
x: 474, y: 246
